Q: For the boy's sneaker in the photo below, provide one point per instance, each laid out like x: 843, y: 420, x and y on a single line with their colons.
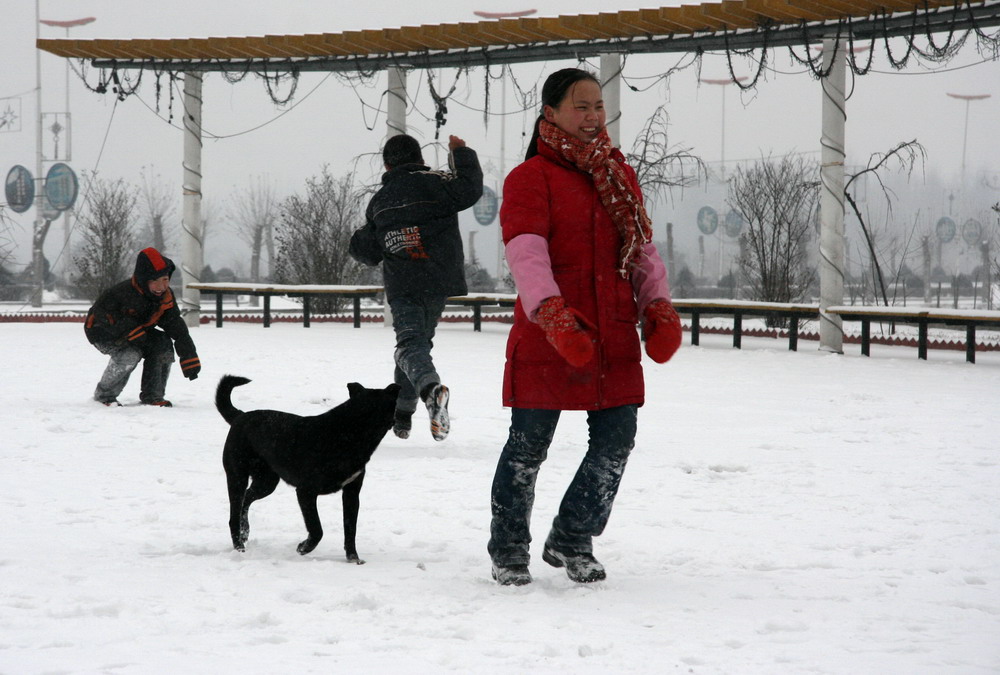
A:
x: 437, y: 408
x: 161, y: 403
x: 110, y: 403
x: 582, y: 568
x: 511, y: 575
x: 402, y: 423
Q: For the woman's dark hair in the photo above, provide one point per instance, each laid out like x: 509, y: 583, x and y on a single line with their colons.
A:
x: 401, y: 149
x: 556, y: 86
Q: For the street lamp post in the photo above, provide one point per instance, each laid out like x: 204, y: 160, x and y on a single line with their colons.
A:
x: 968, y: 98
x: 72, y: 23
x: 503, y: 126
x: 722, y: 82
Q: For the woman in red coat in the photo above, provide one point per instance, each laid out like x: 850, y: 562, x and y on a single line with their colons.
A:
x: 578, y: 243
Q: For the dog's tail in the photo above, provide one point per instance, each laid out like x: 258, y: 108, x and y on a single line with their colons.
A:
x: 222, y: 396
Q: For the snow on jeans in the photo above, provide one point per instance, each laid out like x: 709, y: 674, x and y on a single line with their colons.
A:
x: 156, y: 349
x: 414, y: 322
x: 586, y: 505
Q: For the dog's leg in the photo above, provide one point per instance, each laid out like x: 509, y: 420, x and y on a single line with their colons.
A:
x: 307, y: 503
x: 236, y: 481
x: 264, y: 483
x: 351, y: 494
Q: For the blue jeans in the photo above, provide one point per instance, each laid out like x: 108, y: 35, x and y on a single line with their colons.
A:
x: 586, y: 505
x: 157, y: 354
x: 414, y: 321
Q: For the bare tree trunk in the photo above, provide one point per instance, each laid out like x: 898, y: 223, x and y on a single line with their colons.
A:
x: 38, y: 260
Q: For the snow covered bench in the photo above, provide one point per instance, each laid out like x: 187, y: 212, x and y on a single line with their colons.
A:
x: 922, y: 317
x: 304, y: 291
x: 479, y: 300
x: 740, y: 308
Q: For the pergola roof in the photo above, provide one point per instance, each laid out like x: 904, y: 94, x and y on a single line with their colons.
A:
x: 727, y: 24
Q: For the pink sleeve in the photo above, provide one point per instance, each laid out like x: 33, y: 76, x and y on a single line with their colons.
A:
x: 649, y: 278
x: 531, y: 267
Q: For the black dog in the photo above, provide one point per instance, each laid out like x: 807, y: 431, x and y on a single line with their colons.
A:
x: 317, y: 455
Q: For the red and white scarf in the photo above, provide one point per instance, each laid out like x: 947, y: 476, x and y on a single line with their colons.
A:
x: 617, y: 194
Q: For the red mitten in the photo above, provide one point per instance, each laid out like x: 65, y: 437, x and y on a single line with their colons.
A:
x: 565, y: 329
x: 662, y: 330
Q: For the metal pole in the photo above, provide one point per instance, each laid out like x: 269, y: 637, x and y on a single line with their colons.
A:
x: 38, y: 239
x: 968, y: 98
x: 192, y: 246
x: 965, y: 140
x: 831, y: 248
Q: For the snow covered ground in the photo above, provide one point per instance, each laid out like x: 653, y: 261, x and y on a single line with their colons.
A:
x: 782, y: 513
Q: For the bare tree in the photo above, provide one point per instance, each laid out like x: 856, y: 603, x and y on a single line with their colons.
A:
x: 254, y: 211
x: 778, y: 201
x: 659, y: 166
x: 6, y: 238
x: 157, y: 202
x: 314, y: 233
x: 7, y: 291
x: 106, y: 227
x: 906, y: 156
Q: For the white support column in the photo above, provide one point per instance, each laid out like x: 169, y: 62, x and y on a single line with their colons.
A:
x: 831, y: 245
x: 192, y: 244
x: 396, y: 113
x: 395, y: 124
x: 611, y: 79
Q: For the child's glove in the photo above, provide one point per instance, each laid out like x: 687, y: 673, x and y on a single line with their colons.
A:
x: 662, y: 330
x: 191, y: 367
x: 566, y: 330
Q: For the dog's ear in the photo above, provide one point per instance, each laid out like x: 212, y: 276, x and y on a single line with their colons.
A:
x: 393, y: 389
x: 355, y: 389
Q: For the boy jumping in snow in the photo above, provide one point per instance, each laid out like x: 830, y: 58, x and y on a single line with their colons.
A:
x: 412, y: 229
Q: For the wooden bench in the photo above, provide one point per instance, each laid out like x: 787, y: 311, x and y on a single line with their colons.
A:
x: 922, y: 317
x: 479, y: 300
x: 738, y: 309
x: 304, y: 291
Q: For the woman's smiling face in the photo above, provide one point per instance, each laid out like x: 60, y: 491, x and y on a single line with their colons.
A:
x: 581, y: 112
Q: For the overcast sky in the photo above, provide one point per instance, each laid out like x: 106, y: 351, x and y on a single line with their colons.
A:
x: 331, y: 122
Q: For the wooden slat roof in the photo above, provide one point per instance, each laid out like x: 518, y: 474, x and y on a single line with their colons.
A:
x: 535, y: 38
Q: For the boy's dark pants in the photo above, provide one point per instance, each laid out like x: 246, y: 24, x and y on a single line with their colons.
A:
x: 586, y: 505
x: 414, y: 320
x: 157, y: 353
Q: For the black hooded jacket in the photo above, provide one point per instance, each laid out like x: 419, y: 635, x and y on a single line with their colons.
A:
x: 415, y: 220
x: 124, y: 312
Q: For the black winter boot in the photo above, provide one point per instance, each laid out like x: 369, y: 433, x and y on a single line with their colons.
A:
x: 583, y: 568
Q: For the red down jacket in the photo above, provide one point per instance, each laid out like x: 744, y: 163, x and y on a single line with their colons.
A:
x: 549, y: 197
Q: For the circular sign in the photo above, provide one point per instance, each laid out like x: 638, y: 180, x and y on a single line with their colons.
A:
x: 61, y: 186
x: 945, y: 229
x: 20, y: 189
x: 708, y: 220
x: 486, y: 208
x: 49, y: 212
x: 734, y: 224
x: 972, y: 232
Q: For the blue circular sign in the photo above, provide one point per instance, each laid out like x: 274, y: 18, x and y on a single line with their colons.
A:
x: 945, y: 229
x: 972, y: 232
x: 61, y: 186
x: 486, y: 208
x: 708, y: 220
x: 734, y: 224
x: 20, y: 189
